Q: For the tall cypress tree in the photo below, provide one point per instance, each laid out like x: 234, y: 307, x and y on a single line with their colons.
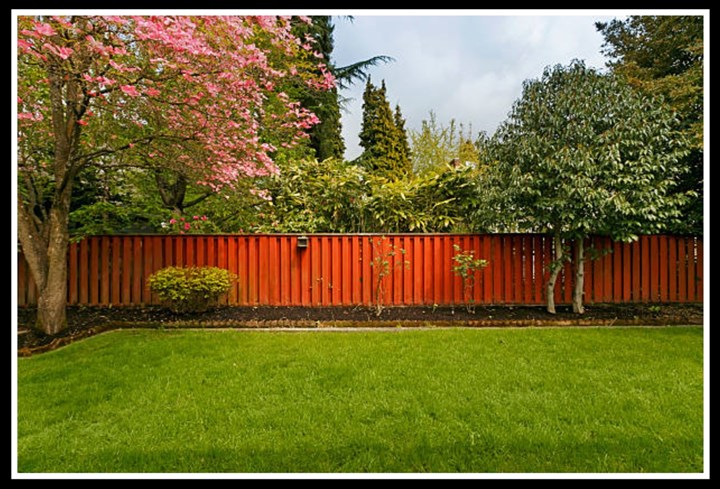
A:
x: 402, y: 146
x: 386, y: 150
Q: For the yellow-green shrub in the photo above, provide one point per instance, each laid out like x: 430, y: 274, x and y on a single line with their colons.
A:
x: 191, y: 289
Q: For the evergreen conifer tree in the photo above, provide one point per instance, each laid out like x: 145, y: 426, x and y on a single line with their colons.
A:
x: 386, y: 150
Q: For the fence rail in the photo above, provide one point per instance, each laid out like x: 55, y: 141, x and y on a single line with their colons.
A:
x: 335, y: 269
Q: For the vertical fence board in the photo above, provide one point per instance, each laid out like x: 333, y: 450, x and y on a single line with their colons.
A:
x: 507, y: 277
x: 645, y: 268
x: 588, y: 285
x: 315, y: 255
x: 654, y: 268
x: 682, y: 271
x: 538, y: 259
x: 72, y: 272
x: 147, y: 268
x: 437, y: 296
x: 672, y: 270
x: 487, y: 272
x: 242, y: 270
x: 407, y: 271
x: 115, y: 288
x: 125, y: 290
x: 607, y: 264
x: 305, y: 273
x: 636, y: 262
x: 691, y: 263
x: 626, y: 271
x: 567, y: 283
x: 527, y: 271
x: 616, y: 272
x: 366, y: 251
x: 516, y: 253
x: 335, y: 285
x: 699, y: 272
x: 285, y: 283
x: 83, y: 272
x: 418, y: 269
x: 104, y: 270
x: 137, y: 273
x: 94, y: 268
x: 231, y: 297
x: 663, y: 269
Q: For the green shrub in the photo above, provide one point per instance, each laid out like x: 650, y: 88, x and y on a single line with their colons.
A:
x: 191, y: 289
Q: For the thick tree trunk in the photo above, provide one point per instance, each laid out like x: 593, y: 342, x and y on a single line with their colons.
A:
x: 554, y: 272
x: 46, y: 254
x: 577, y: 298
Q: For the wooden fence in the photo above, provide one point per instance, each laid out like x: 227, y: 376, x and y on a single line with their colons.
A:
x: 335, y: 269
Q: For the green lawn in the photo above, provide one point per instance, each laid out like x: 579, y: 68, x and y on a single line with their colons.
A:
x: 492, y: 400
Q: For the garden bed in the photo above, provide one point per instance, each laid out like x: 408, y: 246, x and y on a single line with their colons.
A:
x: 86, y: 321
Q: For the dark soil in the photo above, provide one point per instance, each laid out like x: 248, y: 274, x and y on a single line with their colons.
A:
x: 86, y: 321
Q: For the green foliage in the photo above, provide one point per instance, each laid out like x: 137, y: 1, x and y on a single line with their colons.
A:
x: 315, y: 196
x: 385, y: 261
x: 465, y: 267
x: 584, y: 153
x: 382, y: 136
x: 581, y: 153
x: 191, y: 289
x: 663, y: 56
x: 435, y: 145
x: 326, y: 137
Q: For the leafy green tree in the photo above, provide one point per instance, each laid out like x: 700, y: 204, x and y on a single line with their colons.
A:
x: 380, y: 136
x: 583, y: 153
x: 314, y: 196
x: 663, y: 55
x: 435, y: 145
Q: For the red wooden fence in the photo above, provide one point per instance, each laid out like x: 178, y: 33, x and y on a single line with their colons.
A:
x: 335, y: 269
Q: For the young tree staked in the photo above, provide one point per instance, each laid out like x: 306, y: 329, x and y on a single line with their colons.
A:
x: 584, y: 153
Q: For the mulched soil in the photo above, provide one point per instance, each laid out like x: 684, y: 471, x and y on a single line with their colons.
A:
x: 86, y: 321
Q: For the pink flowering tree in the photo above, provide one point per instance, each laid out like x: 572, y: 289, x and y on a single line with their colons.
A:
x: 193, y: 94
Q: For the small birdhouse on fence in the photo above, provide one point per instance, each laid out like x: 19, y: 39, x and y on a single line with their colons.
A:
x: 302, y: 242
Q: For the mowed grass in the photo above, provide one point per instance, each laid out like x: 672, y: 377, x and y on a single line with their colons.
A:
x: 492, y: 400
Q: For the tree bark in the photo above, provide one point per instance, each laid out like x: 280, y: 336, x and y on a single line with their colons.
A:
x: 45, y: 236
x: 577, y: 299
x: 555, y: 268
x: 46, y: 254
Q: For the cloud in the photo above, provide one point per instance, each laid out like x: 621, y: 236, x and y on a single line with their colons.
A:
x: 467, y: 68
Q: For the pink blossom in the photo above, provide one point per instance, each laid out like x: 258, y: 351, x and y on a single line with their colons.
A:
x: 130, y: 90
x: 187, y: 226
x: 59, y: 51
x: 82, y: 122
x: 152, y: 92
x: 172, y: 221
x: 195, y: 218
x: 44, y: 29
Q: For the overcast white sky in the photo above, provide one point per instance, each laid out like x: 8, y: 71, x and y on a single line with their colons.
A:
x: 468, y: 67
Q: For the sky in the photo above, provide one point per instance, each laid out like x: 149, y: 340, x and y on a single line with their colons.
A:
x: 468, y: 67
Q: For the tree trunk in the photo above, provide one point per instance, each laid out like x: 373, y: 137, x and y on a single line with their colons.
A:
x: 577, y: 299
x: 555, y: 268
x: 46, y: 254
